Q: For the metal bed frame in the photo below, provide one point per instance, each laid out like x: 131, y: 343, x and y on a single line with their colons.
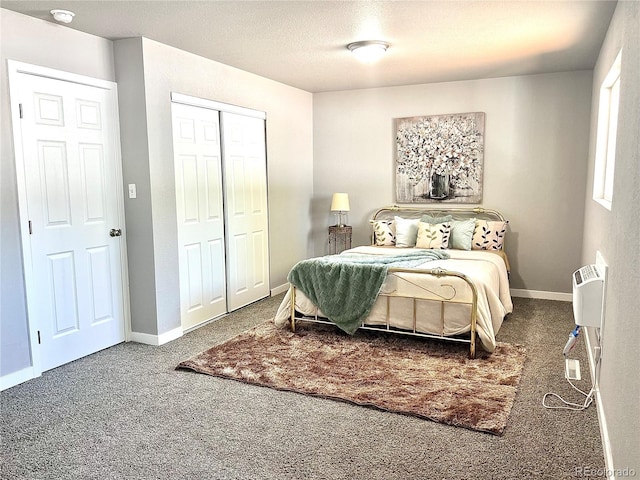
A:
x: 416, y: 212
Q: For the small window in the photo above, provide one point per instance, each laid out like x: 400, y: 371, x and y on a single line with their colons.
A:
x: 606, y: 139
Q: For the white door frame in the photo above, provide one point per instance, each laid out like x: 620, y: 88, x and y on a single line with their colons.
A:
x: 213, y: 105
x: 16, y: 68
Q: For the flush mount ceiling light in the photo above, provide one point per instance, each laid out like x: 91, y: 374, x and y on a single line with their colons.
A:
x: 368, y: 51
x: 62, y: 16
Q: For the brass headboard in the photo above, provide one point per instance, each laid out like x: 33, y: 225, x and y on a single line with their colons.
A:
x: 458, y: 213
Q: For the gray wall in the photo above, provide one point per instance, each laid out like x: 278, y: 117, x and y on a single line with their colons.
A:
x: 37, y: 42
x: 146, y: 74
x: 135, y: 169
x: 535, y: 163
x: 145, y: 105
x: 616, y: 234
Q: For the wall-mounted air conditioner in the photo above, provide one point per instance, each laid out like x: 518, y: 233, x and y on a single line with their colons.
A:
x: 588, y: 292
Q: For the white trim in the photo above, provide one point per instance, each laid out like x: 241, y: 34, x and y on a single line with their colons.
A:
x: 124, y: 259
x: 14, y: 69
x: 604, y: 431
x: 16, y: 378
x: 169, y: 336
x: 281, y: 289
x: 213, y: 105
x: 605, y: 157
x: 604, y: 435
x: 605, y: 203
x: 145, y: 338
x: 156, y: 340
x: 542, y: 295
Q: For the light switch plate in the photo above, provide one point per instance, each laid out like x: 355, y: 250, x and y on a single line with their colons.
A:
x: 132, y: 190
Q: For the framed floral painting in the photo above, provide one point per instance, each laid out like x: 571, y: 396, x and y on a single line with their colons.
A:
x: 439, y: 158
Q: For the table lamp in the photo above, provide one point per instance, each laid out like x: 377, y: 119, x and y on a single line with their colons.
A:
x: 340, y: 204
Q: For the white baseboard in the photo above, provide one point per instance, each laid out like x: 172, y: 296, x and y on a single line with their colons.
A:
x: 604, y: 431
x: 280, y: 289
x: 156, y: 340
x: 16, y: 378
x: 604, y: 436
x: 564, y: 297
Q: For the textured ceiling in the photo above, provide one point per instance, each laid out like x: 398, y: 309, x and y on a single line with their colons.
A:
x: 303, y: 43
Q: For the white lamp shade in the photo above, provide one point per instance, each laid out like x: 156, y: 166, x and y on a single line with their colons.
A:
x: 340, y: 202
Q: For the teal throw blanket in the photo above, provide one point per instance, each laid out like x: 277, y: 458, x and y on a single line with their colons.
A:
x: 346, y: 286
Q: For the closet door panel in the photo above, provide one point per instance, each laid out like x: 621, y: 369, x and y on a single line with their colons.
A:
x: 199, y: 206
x: 239, y: 271
x: 245, y: 173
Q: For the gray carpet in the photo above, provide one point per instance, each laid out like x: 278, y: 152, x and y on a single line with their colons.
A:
x: 125, y: 413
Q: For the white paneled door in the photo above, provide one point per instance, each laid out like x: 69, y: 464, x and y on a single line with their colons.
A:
x: 221, y: 202
x: 245, y: 170
x: 68, y: 152
x: 199, y: 204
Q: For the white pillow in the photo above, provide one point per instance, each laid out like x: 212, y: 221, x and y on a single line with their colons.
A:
x: 462, y: 233
x: 433, y: 235
x: 406, y: 231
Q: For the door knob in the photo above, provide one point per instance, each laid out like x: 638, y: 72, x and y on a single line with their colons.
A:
x: 115, y: 232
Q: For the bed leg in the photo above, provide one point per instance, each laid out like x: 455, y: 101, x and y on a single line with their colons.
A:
x: 474, y: 320
x: 472, y: 340
x: 293, y: 308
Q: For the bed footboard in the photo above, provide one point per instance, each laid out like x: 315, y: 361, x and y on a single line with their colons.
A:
x: 451, y: 297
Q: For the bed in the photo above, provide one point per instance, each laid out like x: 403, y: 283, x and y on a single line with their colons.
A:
x: 446, y: 276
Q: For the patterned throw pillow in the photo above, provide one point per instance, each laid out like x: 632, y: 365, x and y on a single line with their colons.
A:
x: 406, y: 231
x: 433, y: 235
x: 489, y: 235
x: 383, y: 232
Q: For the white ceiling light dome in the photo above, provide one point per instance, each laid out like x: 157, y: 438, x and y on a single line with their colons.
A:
x: 368, y: 51
x: 62, y: 16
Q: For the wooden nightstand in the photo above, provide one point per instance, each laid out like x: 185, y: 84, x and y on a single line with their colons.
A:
x: 339, y: 238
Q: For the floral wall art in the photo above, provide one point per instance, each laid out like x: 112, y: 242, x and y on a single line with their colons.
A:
x: 440, y: 158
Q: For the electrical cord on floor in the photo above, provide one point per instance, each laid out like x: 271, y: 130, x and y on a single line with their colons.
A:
x: 569, y: 405
x: 565, y: 405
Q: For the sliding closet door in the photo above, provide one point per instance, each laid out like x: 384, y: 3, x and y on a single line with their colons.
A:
x: 245, y: 171
x: 199, y: 204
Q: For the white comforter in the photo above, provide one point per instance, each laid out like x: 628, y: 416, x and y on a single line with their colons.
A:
x: 485, y: 269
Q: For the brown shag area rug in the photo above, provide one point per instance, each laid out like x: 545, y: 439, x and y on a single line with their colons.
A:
x: 421, y: 377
